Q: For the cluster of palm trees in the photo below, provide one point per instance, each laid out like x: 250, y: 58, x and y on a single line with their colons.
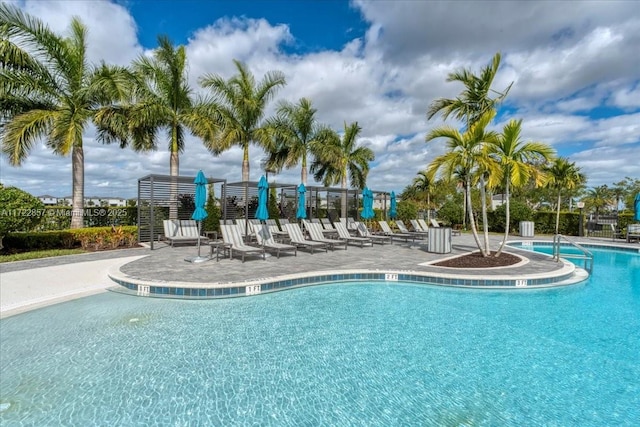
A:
x: 484, y: 159
x: 50, y: 92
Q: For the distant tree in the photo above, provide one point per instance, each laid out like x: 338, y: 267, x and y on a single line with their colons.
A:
x: 563, y: 175
x: 239, y: 104
x: 297, y: 135
x: 274, y: 210
x: 212, y: 221
x: 340, y: 160
x: 19, y: 211
x: 598, y: 198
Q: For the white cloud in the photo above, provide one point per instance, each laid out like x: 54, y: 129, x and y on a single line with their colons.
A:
x: 567, y: 60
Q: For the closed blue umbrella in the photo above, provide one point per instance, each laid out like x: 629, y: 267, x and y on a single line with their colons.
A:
x: 367, y: 204
x: 636, y: 204
x: 301, y: 213
x: 263, y: 187
x: 199, y: 214
x: 393, y: 210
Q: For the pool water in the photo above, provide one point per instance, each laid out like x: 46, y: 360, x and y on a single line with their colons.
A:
x: 364, y: 354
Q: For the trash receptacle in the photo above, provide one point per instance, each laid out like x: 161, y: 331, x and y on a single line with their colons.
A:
x: 439, y: 240
x: 526, y: 228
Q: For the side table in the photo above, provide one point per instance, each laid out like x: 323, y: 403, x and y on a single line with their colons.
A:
x: 219, y: 246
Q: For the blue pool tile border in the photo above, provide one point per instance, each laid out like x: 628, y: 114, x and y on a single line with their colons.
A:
x: 231, y: 290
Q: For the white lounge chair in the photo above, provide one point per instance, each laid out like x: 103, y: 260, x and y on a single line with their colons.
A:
x: 297, y: 239
x: 231, y: 235
x: 386, y: 229
x: 363, y: 231
x: 343, y: 233
x: 403, y: 229
x: 176, y: 231
x: 315, y: 232
x: 266, y: 240
x: 435, y: 224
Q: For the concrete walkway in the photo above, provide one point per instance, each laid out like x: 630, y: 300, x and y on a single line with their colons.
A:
x: 27, y: 289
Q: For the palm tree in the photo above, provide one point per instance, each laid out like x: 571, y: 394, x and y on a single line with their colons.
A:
x: 518, y: 161
x: 297, y: 135
x: 161, y: 100
x: 466, y: 151
x: 239, y: 105
x: 424, y: 184
x: 49, y: 91
x: 563, y: 175
x: 339, y: 159
x: 598, y: 198
x: 472, y: 105
x: 475, y: 99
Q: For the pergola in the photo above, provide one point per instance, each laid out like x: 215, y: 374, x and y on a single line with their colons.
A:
x: 163, y: 197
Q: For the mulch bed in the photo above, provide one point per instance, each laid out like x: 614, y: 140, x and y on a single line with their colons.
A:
x: 476, y: 260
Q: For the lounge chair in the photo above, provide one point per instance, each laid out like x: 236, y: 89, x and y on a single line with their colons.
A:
x: 386, y: 230
x: 275, y: 230
x: 244, y: 227
x: 176, y: 231
x: 328, y: 229
x: 633, y: 232
x: 417, y: 227
x: 315, y: 232
x: 266, y: 240
x: 343, y: 233
x: 435, y: 224
x: 403, y: 229
x: 297, y: 239
x: 363, y: 231
x: 231, y: 235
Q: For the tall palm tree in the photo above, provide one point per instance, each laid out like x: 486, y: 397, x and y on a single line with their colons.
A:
x: 297, y: 135
x: 563, y: 175
x: 518, y: 161
x: 475, y: 99
x: 340, y: 159
x: 423, y: 183
x: 49, y: 91
x: 160, y: 101
x: 239, y: 105
x: 466, y: 151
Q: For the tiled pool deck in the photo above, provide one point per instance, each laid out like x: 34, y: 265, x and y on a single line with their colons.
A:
x: 30, y: 284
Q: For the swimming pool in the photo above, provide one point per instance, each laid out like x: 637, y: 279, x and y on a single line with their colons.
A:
x: 359, y: 354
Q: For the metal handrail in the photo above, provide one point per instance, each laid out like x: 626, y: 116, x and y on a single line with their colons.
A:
x: 586, y: 256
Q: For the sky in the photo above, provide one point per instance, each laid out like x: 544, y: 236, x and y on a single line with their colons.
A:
x: 575, y: 68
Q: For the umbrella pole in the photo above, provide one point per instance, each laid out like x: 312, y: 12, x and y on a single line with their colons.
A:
x: 199, y: 232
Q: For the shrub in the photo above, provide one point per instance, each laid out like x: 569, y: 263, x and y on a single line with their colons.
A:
x: 19, y: 210
x: 451, y: 213
x: 94, y: 239
x: 519, y: 212
x: 407, y: 209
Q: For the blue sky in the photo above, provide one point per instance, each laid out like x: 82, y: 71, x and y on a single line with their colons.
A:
x: 573, y: 65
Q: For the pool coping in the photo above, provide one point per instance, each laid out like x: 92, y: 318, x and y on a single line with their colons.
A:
x: 568, y: 274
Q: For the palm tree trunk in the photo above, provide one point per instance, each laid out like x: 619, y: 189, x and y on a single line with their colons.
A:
x: 344, y: 213
x: 428, y: 207
x: 485, y: 220
x: 303, y: 172
x: 508, y: 219
x: 245, y: 163
x: 472, y: 221
x: 77, y: 204
x: 558, y: 213
x: 174, y: 171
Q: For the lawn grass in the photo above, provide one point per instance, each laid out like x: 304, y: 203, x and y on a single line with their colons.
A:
x: 39, y: 254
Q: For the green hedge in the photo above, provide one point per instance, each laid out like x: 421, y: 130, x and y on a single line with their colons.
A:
x: 93, y: 239
x: 59, y: 217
